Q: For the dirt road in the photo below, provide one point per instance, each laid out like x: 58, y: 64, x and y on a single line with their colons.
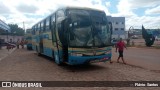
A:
x: 23, y: 65
x: 143, y: 57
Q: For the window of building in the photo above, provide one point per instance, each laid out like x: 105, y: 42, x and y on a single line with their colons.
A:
x: 116, y: 29
x: 116, y: 22
x: 122, y: 22
x: 122, y: 28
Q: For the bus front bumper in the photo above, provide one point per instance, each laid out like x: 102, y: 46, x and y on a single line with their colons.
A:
x: 75, y: 60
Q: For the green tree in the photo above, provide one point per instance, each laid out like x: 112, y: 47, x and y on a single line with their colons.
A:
x: 15, y: 30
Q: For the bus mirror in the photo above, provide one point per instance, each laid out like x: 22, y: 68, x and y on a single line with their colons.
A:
x: 71, y: 37
x: 110, y: 27
x: 64, y: 31
x: 53, y: 31
x: 68, y: 19
x: 53, y: 25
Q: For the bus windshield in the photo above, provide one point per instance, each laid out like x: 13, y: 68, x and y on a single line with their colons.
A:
x: 88, y: 29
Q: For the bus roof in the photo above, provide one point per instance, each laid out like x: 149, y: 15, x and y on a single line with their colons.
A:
x: 86, y: 8
x: 69, y: 7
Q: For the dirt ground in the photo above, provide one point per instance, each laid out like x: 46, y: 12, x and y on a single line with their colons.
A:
x: 141, y: 42
x: 23, y: 65
x: 147, y: 57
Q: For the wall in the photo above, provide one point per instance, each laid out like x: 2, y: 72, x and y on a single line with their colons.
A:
x: 118, y: 27
x: 13, y: 38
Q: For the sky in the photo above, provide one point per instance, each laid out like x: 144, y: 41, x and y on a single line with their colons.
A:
x: 136, y: 12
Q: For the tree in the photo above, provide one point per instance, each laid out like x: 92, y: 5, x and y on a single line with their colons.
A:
x: 15, y: 30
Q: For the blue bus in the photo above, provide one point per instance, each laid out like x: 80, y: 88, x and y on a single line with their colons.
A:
x: 28, y: 39
x: 73, y: 35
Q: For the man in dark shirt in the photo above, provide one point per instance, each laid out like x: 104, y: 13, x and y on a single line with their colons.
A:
x: 120, y: 46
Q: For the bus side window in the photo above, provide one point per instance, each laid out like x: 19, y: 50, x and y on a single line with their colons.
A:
x: 47, y: 24
x: 110, y: 26
x: 53, y: 21
x: 33, y: 30
x: 60, y: 16
x: 36, y: 29
x: 44, y: 25
x: 39, y: 27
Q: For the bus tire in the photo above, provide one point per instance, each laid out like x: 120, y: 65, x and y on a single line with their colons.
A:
x: 87, y: 64
x: 39, y: 54
x: 27, y: 48
x: 60, y: 63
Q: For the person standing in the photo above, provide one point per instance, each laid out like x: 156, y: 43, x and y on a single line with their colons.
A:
x: 18, y: 43
x: 120, y: 46
x: 22, y: 43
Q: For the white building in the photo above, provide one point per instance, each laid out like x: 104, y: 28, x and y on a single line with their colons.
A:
x: 9, y: 38
x: 4, y: 26
x: 118, y: 27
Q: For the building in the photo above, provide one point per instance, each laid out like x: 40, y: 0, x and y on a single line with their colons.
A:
x: 5, y: 33
x: 4, y: 26
x: 10, y: 38
x: 118, y: 27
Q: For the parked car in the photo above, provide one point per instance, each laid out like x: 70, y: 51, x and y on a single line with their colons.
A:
x: 9, y: 45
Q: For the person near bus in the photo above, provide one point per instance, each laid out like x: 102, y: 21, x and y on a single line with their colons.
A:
x: 18, y: 43
x: 120, y: 46
x: 22, y: 43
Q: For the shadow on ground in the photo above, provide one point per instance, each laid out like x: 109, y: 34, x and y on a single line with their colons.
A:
x: 76, y: 68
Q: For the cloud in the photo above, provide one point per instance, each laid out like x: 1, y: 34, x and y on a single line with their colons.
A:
x: 108, y: 4
x: 147, y: 21
x: 155, y: 10
x: 25, y: 8
x: 126, y: 7
x: 4, y: 9
x: 31, y: 11
x: 143, y: 3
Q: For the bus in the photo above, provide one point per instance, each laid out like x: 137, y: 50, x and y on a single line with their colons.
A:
x: 73, y: 35
x: 28, y: 39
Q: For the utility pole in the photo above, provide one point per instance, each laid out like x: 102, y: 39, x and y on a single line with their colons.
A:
x: 23, y: 26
